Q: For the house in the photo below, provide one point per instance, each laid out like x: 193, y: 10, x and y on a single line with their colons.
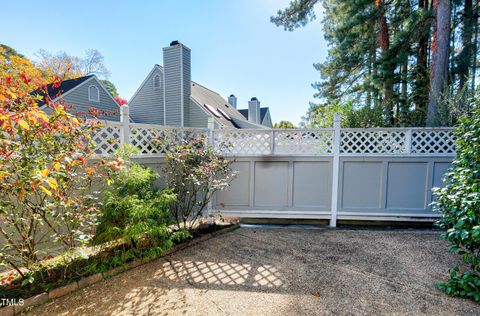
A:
x: 255, y: 113
x: 84, y: 93
x: 169, y: 97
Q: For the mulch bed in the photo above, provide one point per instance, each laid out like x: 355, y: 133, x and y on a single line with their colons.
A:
x: 49, y: 285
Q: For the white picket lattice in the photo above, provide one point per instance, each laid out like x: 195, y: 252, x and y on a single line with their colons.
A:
x: 243, y: 142
x: 433, y: 141
x: 303, y: 142
x: 154, y: 139
x: 107, y: 139
x: 373, y: 141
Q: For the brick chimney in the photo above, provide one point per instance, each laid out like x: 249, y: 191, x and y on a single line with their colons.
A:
x: 254, y: 110
x: 177, y: 84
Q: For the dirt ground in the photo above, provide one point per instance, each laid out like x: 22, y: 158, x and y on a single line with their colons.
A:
x: 279, y: 271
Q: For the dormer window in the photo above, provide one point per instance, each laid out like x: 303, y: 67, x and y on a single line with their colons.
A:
x: 156, y: 82
x: 93, y: 94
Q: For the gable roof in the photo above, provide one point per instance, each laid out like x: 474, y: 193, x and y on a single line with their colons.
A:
x: 65, y: 86
x: 202, y: 95
x: 263, y: 112
x: 157, y: 66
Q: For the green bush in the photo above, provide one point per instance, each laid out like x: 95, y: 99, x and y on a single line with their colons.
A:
x: 321, y: 116
x: 134, y: 210
x: 194, y: 172
x: 459, y: 201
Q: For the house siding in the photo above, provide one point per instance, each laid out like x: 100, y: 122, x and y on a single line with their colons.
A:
x: 147, y: 104
x: 79, y: 98
x: 267, y: 120
x: 197, y: 117
x: 187, y: 85
x: 177, y: 84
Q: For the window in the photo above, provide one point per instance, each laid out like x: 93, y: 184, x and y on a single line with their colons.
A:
x: 93, y: 94
x: 213, y: 110
x: 224, y: 114
x: 156, y: 82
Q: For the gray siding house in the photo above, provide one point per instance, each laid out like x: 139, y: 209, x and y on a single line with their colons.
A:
x: 169, y: 97
x: 83, y: 94
x: 255, y: 113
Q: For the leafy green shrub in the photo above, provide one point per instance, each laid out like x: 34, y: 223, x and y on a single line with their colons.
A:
x: 459, y: 201
x: 321, y: 116
x: 194, y: 172
x: 46, y: 175
x: 134, y: 210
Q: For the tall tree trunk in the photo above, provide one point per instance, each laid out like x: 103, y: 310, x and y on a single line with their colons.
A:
x: 371, y: 68
x: 404, y: 92
x: 440, y: 55
x: 369, y: 83
x: 452, y: 60
x: 388, y: 66
x: 466, y: 55
x: 475, y: 44
x: 421, y: 78
x: 376, y: 94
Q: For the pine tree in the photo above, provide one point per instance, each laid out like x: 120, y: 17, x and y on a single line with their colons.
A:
x: 390, y: 54
x: 440, y: 57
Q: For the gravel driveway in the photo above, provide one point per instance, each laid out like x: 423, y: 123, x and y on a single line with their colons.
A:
x: 278, y: 271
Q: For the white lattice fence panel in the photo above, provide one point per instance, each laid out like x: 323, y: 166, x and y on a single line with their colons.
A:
x: 154, y: 140
x: 243, y: 142
x: 303, y: 142
x: 433, y: 142
x: 373, y: 142
x: 107, y: 139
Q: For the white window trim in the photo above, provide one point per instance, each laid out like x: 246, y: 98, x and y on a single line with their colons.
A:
x: 90, y: 98
x: 159, y: 81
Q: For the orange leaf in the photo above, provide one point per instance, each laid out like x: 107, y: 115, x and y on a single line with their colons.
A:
x: 22, y: 194
x: 56, y: 166
x: 42, y: 115
x: 45, y: 172
x: 23, y: 124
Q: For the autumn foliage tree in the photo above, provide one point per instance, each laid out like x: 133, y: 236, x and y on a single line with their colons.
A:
x: 46, y: 176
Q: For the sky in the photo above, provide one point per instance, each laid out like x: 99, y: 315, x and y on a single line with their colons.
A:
x: 235, y: 48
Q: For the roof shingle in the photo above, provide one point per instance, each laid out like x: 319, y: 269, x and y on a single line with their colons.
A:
x: 65, y: 86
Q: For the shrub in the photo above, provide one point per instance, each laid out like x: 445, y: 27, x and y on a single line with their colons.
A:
x: 194, y: 172
x: 46, y: 179
x: 459, y: 201
x: 321, y: 116
x: 134, y: 210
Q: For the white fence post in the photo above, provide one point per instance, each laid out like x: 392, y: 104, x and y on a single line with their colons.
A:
x: 211, y: 127
x: 408, y: 142
x: 335, y: 169
x: 125, y: 129
x: 272, y: 143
